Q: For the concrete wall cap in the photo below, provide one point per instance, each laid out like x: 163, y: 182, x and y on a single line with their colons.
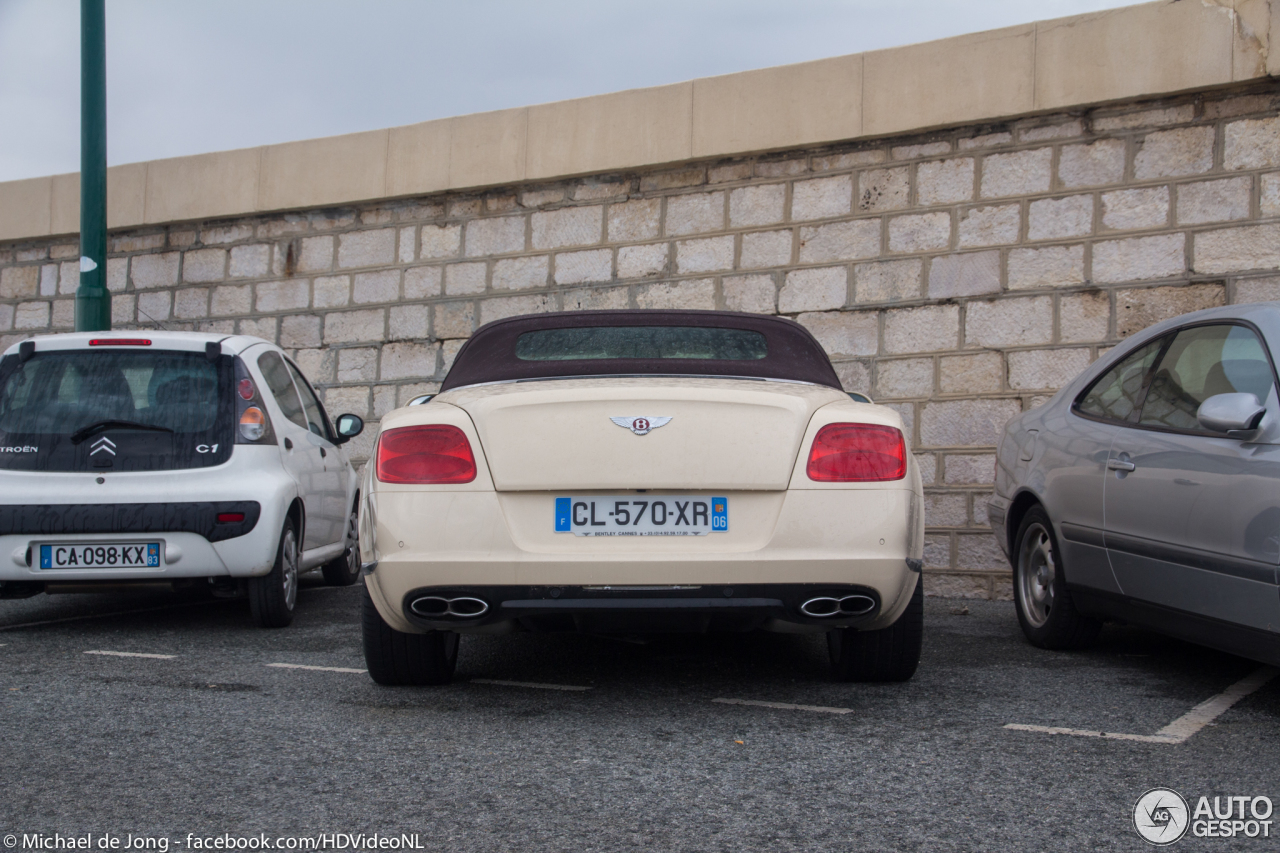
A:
x: 1141, y: 51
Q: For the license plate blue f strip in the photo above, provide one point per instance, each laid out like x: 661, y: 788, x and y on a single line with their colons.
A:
x: 115, y: 555
x: 658, y: 515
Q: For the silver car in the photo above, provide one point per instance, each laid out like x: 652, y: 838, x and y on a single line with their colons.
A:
x: 1148, y: 490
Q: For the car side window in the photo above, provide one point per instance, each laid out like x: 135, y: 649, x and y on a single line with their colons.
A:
x: 277, y: 376
x: 1116, y: 395
x: 316, y: 421
x: 1201, y: 362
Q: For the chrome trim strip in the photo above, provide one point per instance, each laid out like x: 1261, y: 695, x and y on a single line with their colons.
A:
x: 637, y: 588
x: 638, y: 376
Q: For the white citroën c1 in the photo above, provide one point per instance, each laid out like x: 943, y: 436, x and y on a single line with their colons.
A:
x: 637, y: 472
x: 201, y: 461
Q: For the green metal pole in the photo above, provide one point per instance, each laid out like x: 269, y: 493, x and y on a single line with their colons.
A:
x: 93, y: 301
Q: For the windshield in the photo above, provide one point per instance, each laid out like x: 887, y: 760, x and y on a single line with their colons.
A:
x: 160, y: 404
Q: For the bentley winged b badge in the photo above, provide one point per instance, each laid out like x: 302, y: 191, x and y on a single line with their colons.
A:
x: 641, y: 425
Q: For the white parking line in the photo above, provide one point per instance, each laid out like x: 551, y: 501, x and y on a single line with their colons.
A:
x: 317, y: 668
x: 1058, y: 730
x: 1206, y: 712
x: 129, y: 654
x: 785, y: 706
x: 535, y: 685
x: 1181, y: 729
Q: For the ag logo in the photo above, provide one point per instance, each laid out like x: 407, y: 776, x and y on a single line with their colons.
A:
x: 1161, y: 816
x: 642, y: 425
x: 101, y: 445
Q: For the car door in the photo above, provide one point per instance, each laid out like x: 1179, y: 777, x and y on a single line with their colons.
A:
x: 331, y: 488
x: 1192, y: 516
x: 299, y: 454
x: 1074, y: 456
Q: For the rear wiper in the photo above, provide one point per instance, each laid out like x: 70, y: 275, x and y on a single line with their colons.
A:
x: 102, y: 426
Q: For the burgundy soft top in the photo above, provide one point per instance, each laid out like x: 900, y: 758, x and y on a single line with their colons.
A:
x: 490, y: 354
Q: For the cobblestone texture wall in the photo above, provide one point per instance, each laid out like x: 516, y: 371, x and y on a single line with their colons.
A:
x: 960, y: 277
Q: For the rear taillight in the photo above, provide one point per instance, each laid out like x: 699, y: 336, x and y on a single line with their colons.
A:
x: 253, y: 424
x: 857, y: 453
x: 230, y: 517
x: 425, y: 454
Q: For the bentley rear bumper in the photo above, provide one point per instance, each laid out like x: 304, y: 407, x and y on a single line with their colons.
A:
x: 643, y: 609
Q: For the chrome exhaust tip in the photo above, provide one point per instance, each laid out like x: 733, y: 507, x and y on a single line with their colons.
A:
x: 826, y: 606
x: 467, y: 607
x: 856, y: 605
x: 430, y: 605
x: 437, y: 606
x: 821, y: 607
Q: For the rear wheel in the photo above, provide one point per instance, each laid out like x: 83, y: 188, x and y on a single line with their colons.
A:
x: 890, y: 654
x: 344, y: 570
x: 273, y: 596
x: 395, y: 658
x: 1045, y: 610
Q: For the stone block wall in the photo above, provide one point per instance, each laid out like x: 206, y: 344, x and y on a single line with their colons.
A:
x: 959, y: 277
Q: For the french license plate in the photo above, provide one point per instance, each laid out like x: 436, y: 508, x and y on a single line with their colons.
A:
x: 651, y: 516
x: 89, y: 555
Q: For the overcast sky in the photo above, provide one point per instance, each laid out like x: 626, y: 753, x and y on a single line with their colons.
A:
x: 189, y: 77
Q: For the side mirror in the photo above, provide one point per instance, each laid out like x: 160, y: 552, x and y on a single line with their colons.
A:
x: 348, y: 427
x: 1231, y: 413
x: 420, y: 400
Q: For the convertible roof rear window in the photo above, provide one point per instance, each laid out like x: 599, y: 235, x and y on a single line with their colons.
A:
x: 612, y: 342
x: 641, y: 343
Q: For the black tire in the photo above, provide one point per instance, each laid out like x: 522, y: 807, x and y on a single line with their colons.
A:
x: 273, y: 596
x: 397, y: 659
x: 890, y: 654
x: 1046, y: 612
x: 345, y: 570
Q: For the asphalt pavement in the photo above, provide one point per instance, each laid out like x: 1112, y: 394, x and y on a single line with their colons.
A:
x: 187, y: 728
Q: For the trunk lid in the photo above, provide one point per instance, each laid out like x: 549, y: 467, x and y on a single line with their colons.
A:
x: 561, y: 434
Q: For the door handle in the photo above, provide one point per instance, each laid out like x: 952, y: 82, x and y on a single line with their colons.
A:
x: 322, y: 453
x: 288, y: 445
x: 1120, y: 465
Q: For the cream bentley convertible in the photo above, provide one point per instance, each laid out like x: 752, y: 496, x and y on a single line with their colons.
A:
x: 637, y: 472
